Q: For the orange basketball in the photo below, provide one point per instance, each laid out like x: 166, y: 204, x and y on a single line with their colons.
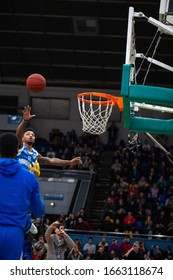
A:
x: 36, y: 83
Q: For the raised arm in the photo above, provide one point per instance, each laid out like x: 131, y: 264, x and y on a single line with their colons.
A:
x: 26, y: 117
x: 50, y: 230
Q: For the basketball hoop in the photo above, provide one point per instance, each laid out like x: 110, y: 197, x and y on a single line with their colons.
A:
x: 95, y: 109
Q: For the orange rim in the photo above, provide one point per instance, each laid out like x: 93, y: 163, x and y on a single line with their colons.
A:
x: 116, y: 100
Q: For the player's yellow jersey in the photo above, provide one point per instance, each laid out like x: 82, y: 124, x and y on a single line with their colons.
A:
x: 35, y: 168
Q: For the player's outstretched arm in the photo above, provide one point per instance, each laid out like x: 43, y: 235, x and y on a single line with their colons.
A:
x: 58, y: 161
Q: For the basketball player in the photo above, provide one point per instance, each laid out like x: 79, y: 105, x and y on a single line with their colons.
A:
x: 27, y: 155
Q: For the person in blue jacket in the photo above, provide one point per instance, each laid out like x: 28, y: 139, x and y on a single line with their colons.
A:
x: 19, y: 194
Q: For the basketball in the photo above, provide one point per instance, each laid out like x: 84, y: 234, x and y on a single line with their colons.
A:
x: 36, y: 83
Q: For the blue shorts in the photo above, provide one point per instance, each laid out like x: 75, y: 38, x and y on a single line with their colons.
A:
x: 11, y: 242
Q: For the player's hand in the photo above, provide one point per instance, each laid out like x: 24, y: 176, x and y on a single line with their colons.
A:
x: 27, y: 113
x: 75, y: 161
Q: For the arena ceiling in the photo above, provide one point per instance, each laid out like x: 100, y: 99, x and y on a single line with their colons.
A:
x: 76, y: 43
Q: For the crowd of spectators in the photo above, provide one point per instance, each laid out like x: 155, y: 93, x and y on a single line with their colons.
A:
x: 67, y: 146
x: 140, y: 197
x: 138, y: 201
x: 105, y: 249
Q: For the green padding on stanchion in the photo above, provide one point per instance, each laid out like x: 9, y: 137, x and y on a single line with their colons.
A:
x: 126, y: 111
x: 151, y: 95
x: 155, y: 126
x: 125, y: 80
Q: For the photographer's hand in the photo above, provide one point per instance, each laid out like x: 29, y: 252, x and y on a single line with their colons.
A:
x: 62, y: 232
x: 54, y: 225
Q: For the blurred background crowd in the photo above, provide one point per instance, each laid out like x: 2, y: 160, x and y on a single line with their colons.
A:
x: 139, y: 199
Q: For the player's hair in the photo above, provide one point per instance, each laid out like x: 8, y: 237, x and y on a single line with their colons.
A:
x: 8, y: 145
x: 28, y: 129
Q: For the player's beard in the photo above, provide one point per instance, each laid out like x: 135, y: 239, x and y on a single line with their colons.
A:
x: 29, y: 143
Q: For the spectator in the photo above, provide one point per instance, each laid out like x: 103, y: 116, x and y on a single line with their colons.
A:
x: 133, y: 187
x: 149, y: 229
x: 70, y: 221
x: 142, y: 182
x: 168, y: 253
x: 112, y: 255
x: 134, y: 253
x: 107, y: 224
x: 156, y: 252
x: 148, y: 215
x: 169, y: 201
x: 46, y: 223
x: 135, y: 174
x: 101, y: 254
x: 78, y: 150
x: 114, y: 246
x: 118, y: 226
x: 154, y: 191
x: 78, y: 243
x: 108, y: 209
x: 89, y: 248
x: 143, y: 248
x: 116, y: 167
x: 169, y: 230
x: 103, y: 243
x: 113, y: 196
x: 39, y: 249
x: 139, y: 220
x: 129, y: 221
x: 162, y: 219
x: 146, y: 146
x: 75, y: 254
x: 50, y: 153
x: 82, y: 214
x: 40, y: 228
x: 82, y: 224
x: 120, y: 214
x: 126, y: 245
x: 62, y: 219
x: 57, y: 243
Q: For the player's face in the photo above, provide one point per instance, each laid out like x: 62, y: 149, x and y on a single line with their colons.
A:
x: 29, y: 137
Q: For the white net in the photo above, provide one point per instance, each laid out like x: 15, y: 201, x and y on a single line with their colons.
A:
x: 95, y: 113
